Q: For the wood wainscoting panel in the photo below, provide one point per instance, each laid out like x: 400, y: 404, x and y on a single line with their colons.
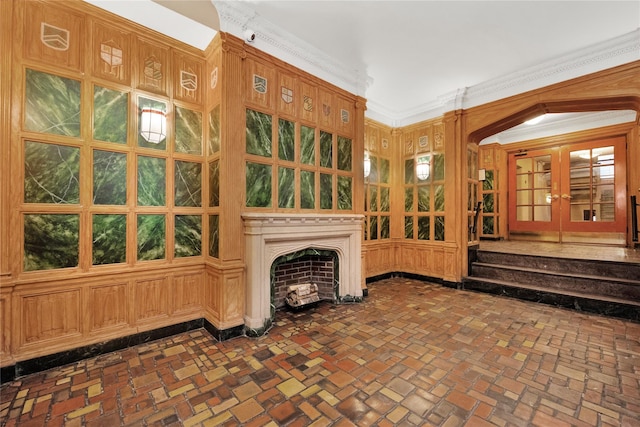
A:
x: 151, y: 299
x: 50, y: 316
x: 212, y: 296
x: 188, y: 293
x: 5, y: 326
x: 379, y: 259
x: 233, y: 300
x: 107, y: 307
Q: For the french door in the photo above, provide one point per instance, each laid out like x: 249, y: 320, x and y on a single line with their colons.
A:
x: 572, y: 193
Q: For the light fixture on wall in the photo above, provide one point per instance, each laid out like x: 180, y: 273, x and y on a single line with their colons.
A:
x: 423, y: 168
x: 367, y: 165
x: 153, y: 125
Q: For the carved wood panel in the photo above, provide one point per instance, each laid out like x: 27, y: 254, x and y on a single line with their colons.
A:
x: 111, y: 54
x: 188, y: 292
x: 260, y: 83
x: 345, y: 116
x: 187, y: 78
x: 288, y: 95
x: 306, y: 102
x: 152, y: 67
x: 151, y: 299
x: 107, y: 306
x: 50, y: 316
x: 326, y: 109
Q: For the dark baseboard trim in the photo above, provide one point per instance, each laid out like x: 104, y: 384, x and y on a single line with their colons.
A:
x: 39, y: 364
x: 395, y: 274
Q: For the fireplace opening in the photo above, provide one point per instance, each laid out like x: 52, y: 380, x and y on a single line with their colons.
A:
x: 319, y: 267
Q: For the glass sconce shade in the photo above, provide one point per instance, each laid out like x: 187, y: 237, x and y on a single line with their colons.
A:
x: 153, y: 125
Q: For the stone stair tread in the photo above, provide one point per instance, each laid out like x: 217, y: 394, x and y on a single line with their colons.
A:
x: 597, y: 297
x: 557, y: 273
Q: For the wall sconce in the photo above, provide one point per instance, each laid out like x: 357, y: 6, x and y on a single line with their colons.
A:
x: 153, y: 125
x: 367, y: 165
x: 423, y: 168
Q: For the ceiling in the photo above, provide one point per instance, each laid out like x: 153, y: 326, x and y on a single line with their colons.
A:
x: 410, y: 57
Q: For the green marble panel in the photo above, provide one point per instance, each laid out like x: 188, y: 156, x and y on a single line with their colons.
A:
x: 345, y: 193
x: 438, y: 228
x: 408, y: 227
x: 51, y: 241
x: 384, y: 227
x: 345, y: 155
x: 488, y: 182
x: 188, y: 131
x: 52, y: 104
x: 286, y: 140
x: 326, y: 191
x: 373, y: 198
x: 307, y: 190
x: 109, y: 239
x: 51, y: 173
x: 326, y: 149
x: 214, y: 183
x: 157, y: 105
x: 373, y: 228
x: 258, y: 135
x: 214, y: 236
x: 188, y: 236
x: 188, y: 184
x: 373, y: 173
x: 438, y: 199
x: 110, y: 115
x: 424, y: 228
x: 109, y: 178
x: 424, y: 196
x: 438, y: 167
x: 214, y: 130
x: 487, y: 225
x: 151, y: 181
x: 487, y: 203
x: 384, y: 171
x: 408, y: 199
x: 384, y: 199
x: 307, y: 145
x: 151, y: 237
x: 258, y: 177
x: 409, y: 171
x: 286, y: 187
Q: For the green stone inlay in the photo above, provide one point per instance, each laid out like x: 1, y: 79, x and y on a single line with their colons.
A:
x: 438, y: 200
x: 424, y: 228
x: 438, y: 167
x: 373, y: 228
x: 214, y: 183
x: 51, y: 173
x: 373, y: 172
x: 109, y: 178
x: 151, y: 237
x: 408, y: 227
x: 438, y: 228
x: 345, y: 155
x: 384, y: 227
x: 384, y: 199
x: 188, y: 131
x: 286, y: 140
x: 188, y: 236
x: 326, y: 191
x: 151, y: 181
x: 471, y: 191
x: 109, y: 239
x: 487, y: 184
x: 409, y: 171
x: 52, y: 104
x: 408, y: 199
x: 214, y: 130
x: 286, y: 187
x: 188, y: 184
x: 424, y: 195
x: 307, y: 145
x: 51, y: 241
x: 258, y: 185
x: 156, y: 105
x: 326, y: 149
x: 307, y: 190
x: 345, y: 195
x: 110, y: 115
x: 214, y: 236
x: 487, y: 225
x: 384, y: 171
x: 258, y: 133
x: 487, y: 203
x: 373, y: 198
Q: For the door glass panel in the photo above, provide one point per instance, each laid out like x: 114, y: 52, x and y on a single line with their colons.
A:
x: 591, y: 183
x: 581, y: 212
x: 524, y: 213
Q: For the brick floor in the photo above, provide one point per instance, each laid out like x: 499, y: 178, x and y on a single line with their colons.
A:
x: 413, y: 353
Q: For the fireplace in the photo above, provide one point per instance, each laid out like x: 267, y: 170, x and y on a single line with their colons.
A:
x: 269, y: 236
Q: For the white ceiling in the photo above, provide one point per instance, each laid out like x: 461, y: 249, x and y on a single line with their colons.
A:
x: 408, y: 58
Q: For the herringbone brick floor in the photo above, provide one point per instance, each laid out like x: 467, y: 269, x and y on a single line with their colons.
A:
x: 413, y: 353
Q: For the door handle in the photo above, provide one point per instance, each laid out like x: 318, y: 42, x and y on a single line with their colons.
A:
x: 555, y: 197
x: 566, y: 197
